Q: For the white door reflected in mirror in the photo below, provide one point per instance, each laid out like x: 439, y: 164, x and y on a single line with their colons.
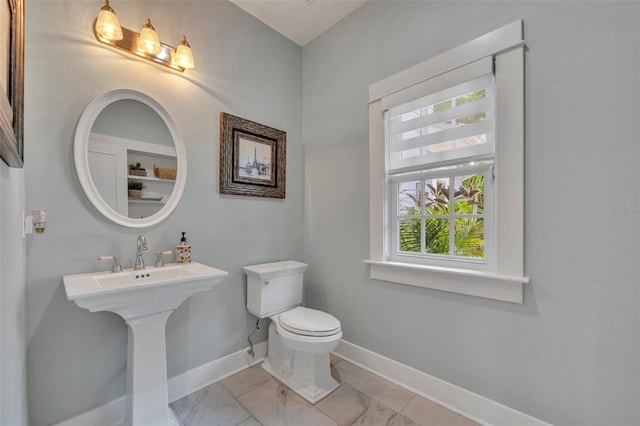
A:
x: 130, y: 158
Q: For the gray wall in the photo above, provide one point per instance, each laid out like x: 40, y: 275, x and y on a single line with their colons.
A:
x: 77, y: 359
x: 569, y: 355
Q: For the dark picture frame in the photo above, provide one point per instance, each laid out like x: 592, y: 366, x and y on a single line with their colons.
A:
x: 12, y: 82
x: 252, y: 158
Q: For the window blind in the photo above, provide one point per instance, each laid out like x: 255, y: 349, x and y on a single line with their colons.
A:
x: 442, y: 121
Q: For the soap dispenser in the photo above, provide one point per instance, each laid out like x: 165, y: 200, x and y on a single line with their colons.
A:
x: 183, y: 250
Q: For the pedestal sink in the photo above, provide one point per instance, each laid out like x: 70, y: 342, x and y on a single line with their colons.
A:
x: 145, y: 299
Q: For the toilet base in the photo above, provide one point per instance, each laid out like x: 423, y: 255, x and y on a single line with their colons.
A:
x: 307, y: 374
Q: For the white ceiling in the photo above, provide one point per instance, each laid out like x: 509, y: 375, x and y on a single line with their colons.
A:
x: 299, y: 20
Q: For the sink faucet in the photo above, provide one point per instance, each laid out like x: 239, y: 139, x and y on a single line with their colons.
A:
x: 142, y: 246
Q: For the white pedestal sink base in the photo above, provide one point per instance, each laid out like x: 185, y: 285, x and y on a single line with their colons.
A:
x: 144, y: 299
x: 147, y: 389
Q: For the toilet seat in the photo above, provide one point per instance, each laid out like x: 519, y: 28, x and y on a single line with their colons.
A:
x: 309, y: 322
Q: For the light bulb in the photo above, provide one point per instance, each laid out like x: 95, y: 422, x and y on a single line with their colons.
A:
x: 148, y: 41
x: 184, y: 56
x: 107, y: 24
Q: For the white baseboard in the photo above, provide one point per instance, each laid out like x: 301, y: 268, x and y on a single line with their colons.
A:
x: 471, y: 405
x: 476, y: 407
x: 110, y: 414
x: 195, y: 379
x: 113, y: 413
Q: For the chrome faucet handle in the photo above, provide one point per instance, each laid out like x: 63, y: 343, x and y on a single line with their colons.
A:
x: 116, y: 262
x: 159, y: 259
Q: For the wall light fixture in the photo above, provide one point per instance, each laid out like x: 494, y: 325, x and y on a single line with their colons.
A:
x: 36, y: 221
x: 145, y: 44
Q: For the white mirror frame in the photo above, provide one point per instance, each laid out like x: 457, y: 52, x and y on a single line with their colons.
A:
x: 81, y: 157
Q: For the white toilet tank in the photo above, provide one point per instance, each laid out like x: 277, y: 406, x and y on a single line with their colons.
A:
x: 274, y: 287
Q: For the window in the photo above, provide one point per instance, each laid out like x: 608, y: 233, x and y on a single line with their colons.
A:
x: 442, y: 216
x: 440, y: 151
x: 446, y: 170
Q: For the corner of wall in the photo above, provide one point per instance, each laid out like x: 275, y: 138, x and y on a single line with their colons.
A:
x: 13, y: 341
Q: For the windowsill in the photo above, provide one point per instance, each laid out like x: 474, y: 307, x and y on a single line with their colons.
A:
x: 485, y: 284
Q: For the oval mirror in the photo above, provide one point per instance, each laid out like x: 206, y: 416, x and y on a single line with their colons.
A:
x: 130, y: 158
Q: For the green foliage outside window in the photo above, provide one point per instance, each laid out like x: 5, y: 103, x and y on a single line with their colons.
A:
x: 468, y: 236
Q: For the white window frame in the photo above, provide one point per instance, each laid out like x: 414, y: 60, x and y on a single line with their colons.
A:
x: 503, y: 278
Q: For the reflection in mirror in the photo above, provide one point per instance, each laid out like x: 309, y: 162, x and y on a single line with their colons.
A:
x: 132, y: 120
x: 128, y: 143
x: 130, y: 158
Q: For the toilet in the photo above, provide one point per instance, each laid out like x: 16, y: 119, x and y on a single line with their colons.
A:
x: 300, y: 339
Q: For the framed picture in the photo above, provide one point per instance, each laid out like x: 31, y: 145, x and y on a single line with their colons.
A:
x: 12, y: 81
x: 252, y: 158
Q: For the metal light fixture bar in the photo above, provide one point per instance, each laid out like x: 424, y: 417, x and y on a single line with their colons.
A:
x: 129, y: 43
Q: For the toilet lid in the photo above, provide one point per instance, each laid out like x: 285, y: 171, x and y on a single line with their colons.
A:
x: 309, y: 322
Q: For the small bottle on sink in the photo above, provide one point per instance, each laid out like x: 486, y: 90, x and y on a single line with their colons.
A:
x: 183, y: 250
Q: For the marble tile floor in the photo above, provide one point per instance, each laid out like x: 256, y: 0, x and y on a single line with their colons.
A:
x: 253, y: 397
